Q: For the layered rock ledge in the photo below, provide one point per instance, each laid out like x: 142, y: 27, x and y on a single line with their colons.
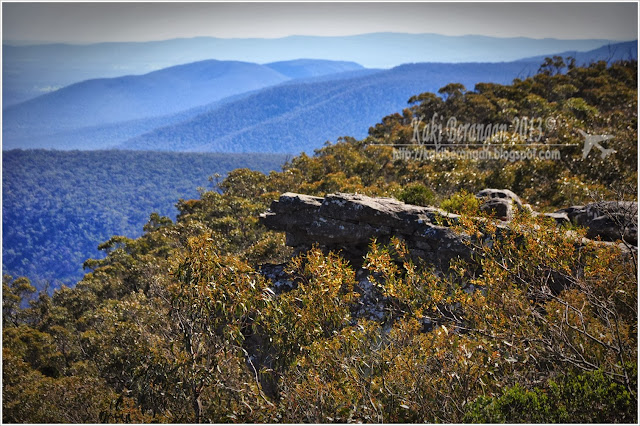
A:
x: 348, y: 222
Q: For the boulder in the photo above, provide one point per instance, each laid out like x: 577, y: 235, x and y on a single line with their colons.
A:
x: 609, y: 220
x: 500, y: 194
x: 500, y: 208
x: 291, y: 211
x: 499, y: 203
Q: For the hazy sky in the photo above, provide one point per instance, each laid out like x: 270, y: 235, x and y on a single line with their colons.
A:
x: 95, y: 22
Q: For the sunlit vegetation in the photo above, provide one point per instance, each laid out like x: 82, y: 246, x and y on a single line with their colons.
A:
x: 179, y: 326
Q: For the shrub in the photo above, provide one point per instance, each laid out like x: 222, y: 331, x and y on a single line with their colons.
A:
x: 417, y: 194
x: 572, y: 398
x: 462, y: 202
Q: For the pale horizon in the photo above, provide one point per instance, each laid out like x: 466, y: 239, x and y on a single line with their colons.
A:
x: 44, y: 42
x: 88, y: 23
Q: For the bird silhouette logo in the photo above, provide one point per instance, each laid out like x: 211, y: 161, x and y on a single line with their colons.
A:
x: 594, y: 140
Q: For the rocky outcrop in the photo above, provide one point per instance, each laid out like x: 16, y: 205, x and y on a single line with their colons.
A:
x: 348, y: 222
x: 609, y: 220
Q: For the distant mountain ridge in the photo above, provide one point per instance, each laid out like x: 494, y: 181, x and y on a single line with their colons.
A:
x: 29, y: 71
x: 169, y: 91
x: 290, y: 118
x: 297, y: 114
x: 294, y: 115
x: 305, y: 68
x: 609, y: 53
x: 166, y: 91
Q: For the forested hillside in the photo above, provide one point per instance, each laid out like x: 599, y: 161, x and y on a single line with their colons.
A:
x: 58, y: 206
x: 539, y: 326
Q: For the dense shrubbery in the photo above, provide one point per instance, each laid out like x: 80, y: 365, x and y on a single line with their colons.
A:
x: 178, y: 325
x: 583, y: 398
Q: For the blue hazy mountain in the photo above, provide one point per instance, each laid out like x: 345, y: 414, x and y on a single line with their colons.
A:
x: 609, y: 53
x: 298, y: 114
x: 305, y: 68
x: 301, y: 117
x: 99, y: 113
x: 292, y: 116
x: 29, y: 71
x: 166, y: 91
x: 108, y: 135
